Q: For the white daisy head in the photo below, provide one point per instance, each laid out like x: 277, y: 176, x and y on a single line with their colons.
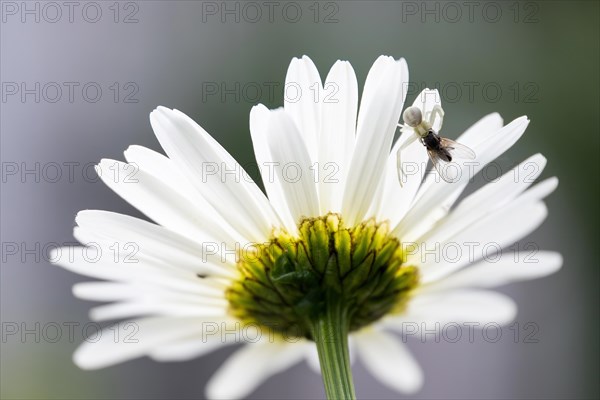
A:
x: 334, y: 230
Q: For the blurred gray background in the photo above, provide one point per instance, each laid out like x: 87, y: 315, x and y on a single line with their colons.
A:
x: 533, y: 58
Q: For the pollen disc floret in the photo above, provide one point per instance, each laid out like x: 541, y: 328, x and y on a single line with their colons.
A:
x: 286, y: 284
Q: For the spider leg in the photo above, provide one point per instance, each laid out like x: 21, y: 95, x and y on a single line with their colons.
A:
x: 403, y: 146
x: 436, y: 112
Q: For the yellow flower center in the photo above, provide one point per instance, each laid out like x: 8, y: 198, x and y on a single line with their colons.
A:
x: 285, y: 284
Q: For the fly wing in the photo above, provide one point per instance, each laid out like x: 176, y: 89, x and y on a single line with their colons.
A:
x: 447, y: 170
x: 457, y: 150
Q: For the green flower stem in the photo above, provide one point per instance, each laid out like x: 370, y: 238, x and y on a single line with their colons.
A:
x: 330, y: 332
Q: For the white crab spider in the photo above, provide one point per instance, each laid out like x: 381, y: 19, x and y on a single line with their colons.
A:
x: 440, y: 150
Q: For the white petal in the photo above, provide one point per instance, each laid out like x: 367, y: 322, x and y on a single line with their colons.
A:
x: 395, y: 199
x: 510, y: 267
x: 436, y: 197
x: 473, y: 213
x: 426, y: 101
x: 489, y: 199
x: 539, y: 191
x: 388, y: 360
x: 481, y: 239
x: 132, y: 339
x: 147, y: 239
x: 215, y: 174
x: 480, y: 131
x: 144, y: 294
x: 302, y: 101
x: 434, y: 310
x: 105, y: 291
x: 162, y: 168
x: 380, y: 109
x: 468, y: 239
x: 247, y: 368
x: 337, y: 139
x: 190, y: 348
x: 158, y: 306
x: 101, y: 264
x: 165, y: 206
x: 113, y: 291
x: 294, y: 172
x: 487, y: 147
x: 259, y: 130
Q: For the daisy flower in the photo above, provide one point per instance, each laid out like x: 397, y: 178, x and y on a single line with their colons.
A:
x: 335, y: 259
